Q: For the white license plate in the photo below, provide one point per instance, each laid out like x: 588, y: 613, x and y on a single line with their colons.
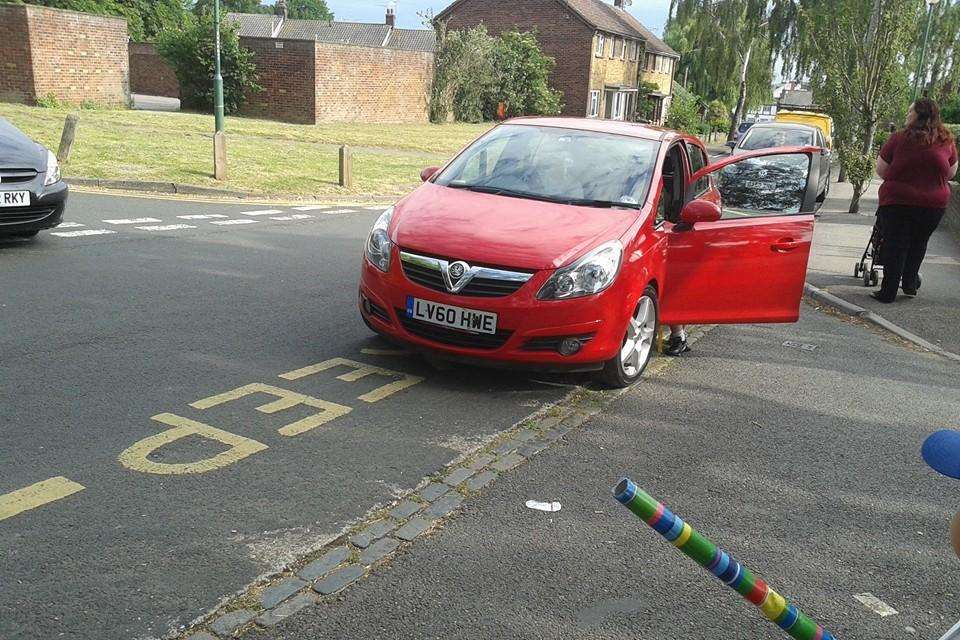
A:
x: 14, y: 198
x: 446, y: 315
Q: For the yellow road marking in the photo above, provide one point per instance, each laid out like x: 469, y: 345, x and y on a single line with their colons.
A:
x: 135, y: 457
x: 37, y: 495
x: 285, y: 400
x: 360, y: 371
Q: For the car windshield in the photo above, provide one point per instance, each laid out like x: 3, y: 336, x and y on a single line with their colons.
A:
x: 769, y: 137
x: 558, y: 165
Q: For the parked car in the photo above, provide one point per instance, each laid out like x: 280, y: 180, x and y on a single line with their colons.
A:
x: 812, y: 118
x: 779, y: 134
x: 558, y: 243
x: 32, y: 192
x: 742, y: 129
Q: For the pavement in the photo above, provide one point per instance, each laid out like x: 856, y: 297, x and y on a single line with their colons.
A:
x: 142, y: 102
x: 839, y: 242
x: 802, y: 463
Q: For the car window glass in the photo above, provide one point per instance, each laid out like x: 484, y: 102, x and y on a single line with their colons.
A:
x: 769, y: 185
x: 698, y: 160
x: 673, y: 182
x: 557, y: 163
x: 769, y: 137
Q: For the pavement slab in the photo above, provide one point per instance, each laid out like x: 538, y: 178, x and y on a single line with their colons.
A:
x: 804, y: 465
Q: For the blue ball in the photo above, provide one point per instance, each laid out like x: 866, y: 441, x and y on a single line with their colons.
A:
x: 942, y: 452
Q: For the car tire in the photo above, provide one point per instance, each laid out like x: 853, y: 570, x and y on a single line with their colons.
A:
x: 625, y: 368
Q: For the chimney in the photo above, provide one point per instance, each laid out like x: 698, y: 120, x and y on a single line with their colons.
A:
x: 391, y: 15
x: 280, y: 9
x: 618, y: 4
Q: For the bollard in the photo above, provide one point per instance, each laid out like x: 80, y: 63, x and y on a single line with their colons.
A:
x: 715, y: 560
x: 66, y: 139
x: 220, y: 156
x: 346, y: 167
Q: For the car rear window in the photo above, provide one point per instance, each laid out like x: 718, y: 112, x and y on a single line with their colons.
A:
x: 768, y: 137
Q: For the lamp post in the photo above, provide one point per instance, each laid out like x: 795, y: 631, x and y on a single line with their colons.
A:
x: 218, y: 79
x: 918, y: 79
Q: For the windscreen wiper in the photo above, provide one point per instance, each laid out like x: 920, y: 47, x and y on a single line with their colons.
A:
x: 500, y: 191
x: 603, y: 204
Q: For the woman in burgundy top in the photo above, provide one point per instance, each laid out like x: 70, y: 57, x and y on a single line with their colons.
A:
x: 915, y: 165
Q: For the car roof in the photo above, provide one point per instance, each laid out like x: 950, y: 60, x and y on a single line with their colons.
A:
x: 784, y: 125
x: 618, y: 127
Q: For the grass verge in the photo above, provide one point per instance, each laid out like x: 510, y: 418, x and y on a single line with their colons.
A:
x: 264, y: 157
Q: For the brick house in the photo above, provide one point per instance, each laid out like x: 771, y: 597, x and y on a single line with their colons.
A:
x: 314, y: 70
x: 601, y: 50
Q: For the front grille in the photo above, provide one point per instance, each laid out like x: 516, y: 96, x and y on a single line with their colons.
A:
x: 24, y: 215
x: 452, y: 337
x: 16, y: 175
x: 552, y: 343
x: 377, y: 311
x: 488, y: 282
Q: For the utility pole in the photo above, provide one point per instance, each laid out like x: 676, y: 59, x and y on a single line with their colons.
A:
x: 219, y: 137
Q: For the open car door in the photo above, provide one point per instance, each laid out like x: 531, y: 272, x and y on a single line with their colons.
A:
x: 738, y: 252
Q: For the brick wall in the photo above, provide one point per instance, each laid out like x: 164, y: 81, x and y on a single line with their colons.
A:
x: 562, y: 35
x: 370, y: 84
x: 79, y: 56
x: 286, y: 71
x: 149, y: 72
x: 16, y: 63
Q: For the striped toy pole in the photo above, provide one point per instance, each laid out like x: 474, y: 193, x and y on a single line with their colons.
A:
x: 715, y: 560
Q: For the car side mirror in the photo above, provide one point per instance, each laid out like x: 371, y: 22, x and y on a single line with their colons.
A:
x: 428, y: 173
x: 700, y: 210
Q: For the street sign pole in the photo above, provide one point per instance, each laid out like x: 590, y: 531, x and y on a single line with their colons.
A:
x: 218, y: 79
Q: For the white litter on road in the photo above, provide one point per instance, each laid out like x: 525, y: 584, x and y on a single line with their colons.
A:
x: 312, y: 207
x: 875, y: 604
x: 229, y: 222
x: 167, y: 227
x: 69, y: 225
x: 133, y: 221
x: 265, y: 212
x: 336, y: 211
x: 82, y: 232
x: 374, y: 208
x: 205, y: 216
x: 549, y: 507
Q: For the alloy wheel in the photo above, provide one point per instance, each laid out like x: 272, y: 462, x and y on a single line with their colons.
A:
x: 639, y: 339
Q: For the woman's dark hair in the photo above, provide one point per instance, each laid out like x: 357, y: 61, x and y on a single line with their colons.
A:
x: 927, y: 129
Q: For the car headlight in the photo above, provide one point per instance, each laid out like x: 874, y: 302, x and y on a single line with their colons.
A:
x: 590, y: 274
x: 53, y: 170
x: 379, y: 247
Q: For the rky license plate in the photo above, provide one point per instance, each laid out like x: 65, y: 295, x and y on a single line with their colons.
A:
x: 446, y: 315
x: 14, y: 198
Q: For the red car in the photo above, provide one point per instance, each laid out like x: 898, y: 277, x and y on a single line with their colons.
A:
x: 558, y: 243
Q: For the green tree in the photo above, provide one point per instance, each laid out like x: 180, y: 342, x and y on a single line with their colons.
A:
x: 950, y: 109
x: 856, y: 59
x: 190, y: 51
x: 521, y: 77
x: 205, y: 7
x: 684, y: 113
x: 309, y: 10
x: 727, y: 49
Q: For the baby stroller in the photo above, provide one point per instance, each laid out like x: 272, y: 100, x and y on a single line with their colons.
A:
x: 870, y: 265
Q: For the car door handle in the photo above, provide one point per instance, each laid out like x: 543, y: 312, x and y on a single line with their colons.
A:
x: 785, y: 245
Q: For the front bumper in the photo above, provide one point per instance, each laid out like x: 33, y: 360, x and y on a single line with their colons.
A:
x: 47, y: 204
x: 528, y: 330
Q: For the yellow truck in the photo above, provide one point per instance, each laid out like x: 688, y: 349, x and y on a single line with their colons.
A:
x: 811, y: 118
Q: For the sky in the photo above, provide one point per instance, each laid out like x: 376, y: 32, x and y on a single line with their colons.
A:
x: 652, y: 13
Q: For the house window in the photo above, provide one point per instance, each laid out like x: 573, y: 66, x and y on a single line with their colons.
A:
x: 635, y: 51
x: 651, y: 61
x: 601, y: 42
x: 623, y: 48
x: 613, y: 49
x: 594, y: 104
